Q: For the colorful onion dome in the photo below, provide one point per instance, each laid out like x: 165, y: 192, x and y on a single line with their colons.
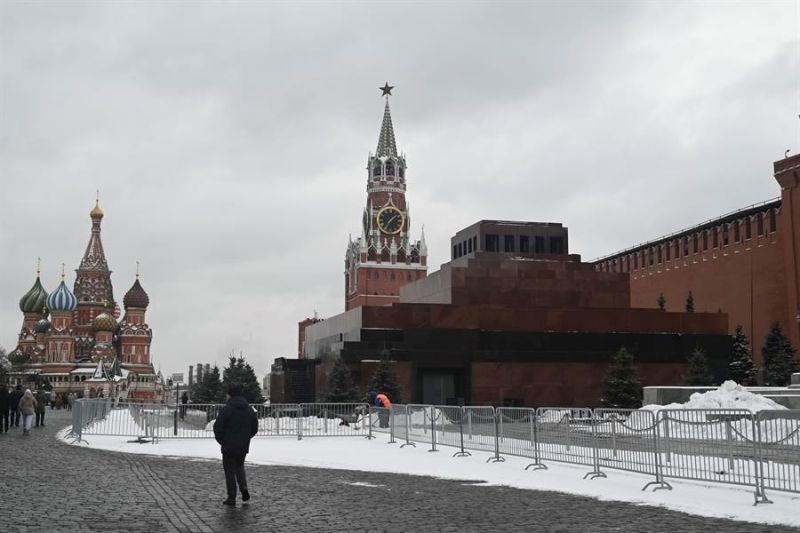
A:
x: 35, y: 299
x: 96, y: 212
x: 41, y: 326
x: 62, y: 299
x: 136, y: 297
x: 104, y: 322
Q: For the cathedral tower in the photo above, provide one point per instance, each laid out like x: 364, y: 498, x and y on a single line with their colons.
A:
x: 384, y: 258
x: 93, y: 288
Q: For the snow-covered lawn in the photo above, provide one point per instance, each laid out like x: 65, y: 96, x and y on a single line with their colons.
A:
x: 358, y: 453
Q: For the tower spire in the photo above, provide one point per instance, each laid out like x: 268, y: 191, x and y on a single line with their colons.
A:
x: 386, y: 142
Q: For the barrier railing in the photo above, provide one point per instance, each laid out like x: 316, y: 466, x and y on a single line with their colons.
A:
x: 778, y: 451
x: 731, y: 446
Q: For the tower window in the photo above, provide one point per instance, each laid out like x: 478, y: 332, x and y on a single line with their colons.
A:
x: 667, y: 250
x: 725, y: 235
x: 538, y: 243
x: 736, y: 235
x: 469, y: 245
x: 389, y: 168
x: 773, y: 221
x: 376, y: 170
x: 685, y: 246
x: 492, y: 243
x: 748, y: 232
x: 556, y: 245
x: 455, y: 252
x: 508, y: 243
x: 694, y: 243
x: 760, y: 223
x: 524, y: 244
x: 705, y: 240
x: 401, y: 171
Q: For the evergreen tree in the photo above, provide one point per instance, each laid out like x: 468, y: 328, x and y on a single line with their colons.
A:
x: 385, y: 380
x: 341, y: 388
x: 741, y: 368
x: 690, y: 303
x: 621, y: 387
x: 779, y: 360
x: 698, y: 373
x: 661, y: 301
x: 239, y: 371
x: 209, y: 388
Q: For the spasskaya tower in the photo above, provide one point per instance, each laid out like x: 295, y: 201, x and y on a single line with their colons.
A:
x: 384, y: 258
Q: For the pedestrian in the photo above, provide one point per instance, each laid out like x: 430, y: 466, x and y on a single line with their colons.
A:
x: 13, y: 405
x: 27, y: 406
x: 385, y: 409
x: 236, y: 424
x: 41, y: 404
x: 184, y: 401
x: 70, y: 400
x: 4, y: 407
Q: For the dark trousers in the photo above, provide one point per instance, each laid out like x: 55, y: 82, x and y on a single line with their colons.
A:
x: 39, y: 418
x: 3, y: 420
x: 234, y: 471
x: 15, y: 417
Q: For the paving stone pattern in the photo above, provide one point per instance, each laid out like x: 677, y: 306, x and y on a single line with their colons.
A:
x: 48, y: 486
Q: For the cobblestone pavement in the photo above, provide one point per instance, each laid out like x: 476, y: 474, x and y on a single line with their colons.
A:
x: 48, y: 486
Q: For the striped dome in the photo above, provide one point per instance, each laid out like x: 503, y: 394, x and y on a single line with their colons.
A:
x: 62, y: 299
x: 136, y: 297
x: 104, y: 322
x: 41, y: 326
x: 35, y: 299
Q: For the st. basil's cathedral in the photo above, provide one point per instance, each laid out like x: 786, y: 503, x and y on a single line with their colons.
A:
x: 74, y: 340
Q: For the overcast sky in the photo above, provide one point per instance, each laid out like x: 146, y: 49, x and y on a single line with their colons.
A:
x: 229, y: 140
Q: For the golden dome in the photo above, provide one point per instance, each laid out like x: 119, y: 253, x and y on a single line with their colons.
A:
x: 96, y: 212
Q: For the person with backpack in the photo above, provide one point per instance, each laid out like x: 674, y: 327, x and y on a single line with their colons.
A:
x: 236, y: 424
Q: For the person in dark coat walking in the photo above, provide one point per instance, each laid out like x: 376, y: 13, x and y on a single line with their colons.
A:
x: 41, y: 404
x: 236, y: 424
x: 4, y: 406
x: 13, y: 404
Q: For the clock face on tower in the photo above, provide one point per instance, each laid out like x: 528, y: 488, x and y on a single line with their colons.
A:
x: 390, y: 220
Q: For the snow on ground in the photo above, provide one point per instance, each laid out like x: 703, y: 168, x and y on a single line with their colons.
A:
x: 360, y: 454
x: 729, y: 395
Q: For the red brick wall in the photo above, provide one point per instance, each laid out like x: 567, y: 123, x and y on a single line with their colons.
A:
x: 745, y: 280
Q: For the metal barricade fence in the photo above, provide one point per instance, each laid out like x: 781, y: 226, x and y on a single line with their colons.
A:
x: 517, y: 431
x: 566, y: 434
x: 448, y: 424
x: 419, y: 424
x: 194, y: 420
x: 627, y: 439
x: 401, y: 424
x: 716, y: 445
x: 480, y: 429
x: 334, y: 419
x: 279, y: 419
x: 379, y: 420
x: 778, y: 451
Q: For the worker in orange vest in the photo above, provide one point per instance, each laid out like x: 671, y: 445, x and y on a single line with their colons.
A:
x: 382, y: 400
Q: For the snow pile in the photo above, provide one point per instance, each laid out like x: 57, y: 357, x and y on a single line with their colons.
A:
x: 729, y: 395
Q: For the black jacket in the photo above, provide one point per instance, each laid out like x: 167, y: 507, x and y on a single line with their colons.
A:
x: 235, y: 426
x: 3, y: 399
x: 13, y: 399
